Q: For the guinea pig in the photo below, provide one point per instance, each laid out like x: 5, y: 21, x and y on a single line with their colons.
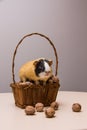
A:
x: 36, y: 71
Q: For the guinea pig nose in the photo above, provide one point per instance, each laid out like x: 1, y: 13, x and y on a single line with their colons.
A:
x: 47, y: 72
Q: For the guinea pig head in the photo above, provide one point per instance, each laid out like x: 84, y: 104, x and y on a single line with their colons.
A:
x: 43, y: 68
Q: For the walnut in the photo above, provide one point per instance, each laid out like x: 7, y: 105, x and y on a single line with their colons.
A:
x: 76, y: 107
x: 49, y: 112
x: 54, y: 105
x: 39, y: 107
x: 30, y: 110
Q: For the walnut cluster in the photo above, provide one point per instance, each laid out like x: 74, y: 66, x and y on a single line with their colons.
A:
x: 39, y: 107
x: 49, y: 111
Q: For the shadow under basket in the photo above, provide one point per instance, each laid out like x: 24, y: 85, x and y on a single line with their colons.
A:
x: 29, y: 93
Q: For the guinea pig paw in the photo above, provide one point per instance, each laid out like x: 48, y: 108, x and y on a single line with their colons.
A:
x: 22, y: 83
x: 50, y: 81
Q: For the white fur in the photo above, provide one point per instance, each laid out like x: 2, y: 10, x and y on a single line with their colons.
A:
x: 47, y: 67
x: 42, y: 74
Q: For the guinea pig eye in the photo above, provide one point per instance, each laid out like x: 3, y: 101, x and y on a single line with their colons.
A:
x: 41, y: 68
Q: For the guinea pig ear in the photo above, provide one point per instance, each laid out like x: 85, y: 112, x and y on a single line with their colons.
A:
x: 35, y: 63
x: 50, y: 62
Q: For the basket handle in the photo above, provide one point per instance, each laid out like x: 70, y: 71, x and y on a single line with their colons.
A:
x: 28, y: 35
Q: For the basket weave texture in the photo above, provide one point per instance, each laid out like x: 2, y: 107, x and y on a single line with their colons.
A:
x: 30, y: 93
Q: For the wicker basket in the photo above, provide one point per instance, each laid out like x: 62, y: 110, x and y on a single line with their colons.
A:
x: 30, y: 93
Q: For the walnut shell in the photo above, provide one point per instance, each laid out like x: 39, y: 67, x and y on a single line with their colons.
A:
x: 76, y: 107
x: 30, y: 110
x: 49, y: 112
x: 39, y: 107
x: 54, y: 105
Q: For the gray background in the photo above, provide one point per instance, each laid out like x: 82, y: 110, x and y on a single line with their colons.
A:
x: 63, y: 21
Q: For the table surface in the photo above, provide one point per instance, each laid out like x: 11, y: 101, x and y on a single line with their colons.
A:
x: 14, y: 118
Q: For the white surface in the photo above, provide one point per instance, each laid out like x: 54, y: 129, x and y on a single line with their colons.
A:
x: 14, y: 118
